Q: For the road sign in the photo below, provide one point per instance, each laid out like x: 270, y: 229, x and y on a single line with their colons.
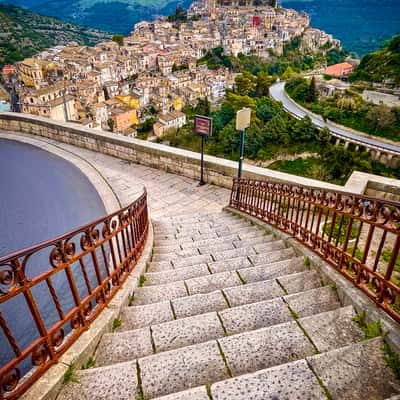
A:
x: 203, y: 125
x: 243, y: 119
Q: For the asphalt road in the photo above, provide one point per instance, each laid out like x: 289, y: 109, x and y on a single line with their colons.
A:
x: 277, y: 92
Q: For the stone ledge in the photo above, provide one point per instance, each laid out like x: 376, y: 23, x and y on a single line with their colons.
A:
x: 347, y: 292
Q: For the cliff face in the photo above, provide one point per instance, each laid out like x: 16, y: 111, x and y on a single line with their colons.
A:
x: 24, y: 33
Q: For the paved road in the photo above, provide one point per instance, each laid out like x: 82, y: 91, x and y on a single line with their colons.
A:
x: 277, y: 92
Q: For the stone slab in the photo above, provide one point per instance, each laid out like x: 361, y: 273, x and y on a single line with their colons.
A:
x: 229, y: 265
x: 159, y: 266
x: 300, y: 282
x: 186, y: 331
x: 273, y: 256
x: 199, y: 393
x: 255, y: 316
x: 333, y: 329
x: 264, y: 348
x: 175, y: 255
x: 180, y: 274
x: 156, y: 294
x: 214, y: 248
x: 251, y: 242
x: 123, y: 346
x: 210, y: 283
x: 140, y: 316
x: 228, y: 254
x: 188, y: 261
x: 158, y: 250
x: 117, y: 382
x: 356, y: 372
x: 253, y: 292
x: 313, y: 301
x: 199, y: 304
x: 293, y: 381
x: 271, y: 246
x: 177, y: 370
x: 209, y: 242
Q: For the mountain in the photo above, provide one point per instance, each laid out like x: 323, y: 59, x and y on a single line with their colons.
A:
x: 24, y: 33
x: 381, y: 65
x: 117, y: 16
x: 361, y: 25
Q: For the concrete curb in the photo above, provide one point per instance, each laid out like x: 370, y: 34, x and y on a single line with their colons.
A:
x: 347, y: 292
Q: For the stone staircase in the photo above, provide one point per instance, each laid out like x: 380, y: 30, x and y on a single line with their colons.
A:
x: 226, y: 311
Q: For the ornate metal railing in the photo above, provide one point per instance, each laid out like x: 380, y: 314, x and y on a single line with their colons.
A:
x: 358, y: 235
x: 50, y: 293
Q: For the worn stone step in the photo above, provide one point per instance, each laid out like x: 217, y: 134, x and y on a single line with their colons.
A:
x: 251, y: 242
x: 356, y: 372
x: 199, y: 304
x: 290, y: 381
x: 135, y: 317
x: 300, y: 282
x: 229, y: 265
x: 175, y: 255
x: 188, y: 261
x: 184, y: 368
x: 255, y: 316
x: 273, y: 270
x: 123, y: 346
x: 313, y: 301
x: 210, y: 283
x: 158, y: 266
x: 272, y: 256
x: 264, y: 348
x: 186, y: 331
x: 332, y: 329
x: 215, y: 248
x: 198, y: 393
x: 158, y: 250
x: 157, y: 278
x: 210, y: 242
x: 159, y: 293
x: 117, y: 382
x: 271, y: 246
x: 228, y: 254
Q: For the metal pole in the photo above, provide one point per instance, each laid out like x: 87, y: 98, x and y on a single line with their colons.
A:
x: 241, y: 153
x: 202, y: 182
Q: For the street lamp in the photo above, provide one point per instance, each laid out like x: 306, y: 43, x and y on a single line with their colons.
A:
x: 242, y: 122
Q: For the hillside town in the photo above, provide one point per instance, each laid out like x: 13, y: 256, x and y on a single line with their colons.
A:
x: 155, y: 72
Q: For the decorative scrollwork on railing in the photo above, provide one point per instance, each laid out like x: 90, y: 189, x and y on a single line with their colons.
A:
x: 358, y: 235
x: 85, y: 268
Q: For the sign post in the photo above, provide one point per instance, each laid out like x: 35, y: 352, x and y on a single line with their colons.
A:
x: 242, y: 122
x: 203, y: 127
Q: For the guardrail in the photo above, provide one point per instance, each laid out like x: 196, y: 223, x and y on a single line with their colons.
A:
x: 358, y: 235
x: 51, y: 292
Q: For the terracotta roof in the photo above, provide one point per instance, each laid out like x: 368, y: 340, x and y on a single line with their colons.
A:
x: 343, y: 69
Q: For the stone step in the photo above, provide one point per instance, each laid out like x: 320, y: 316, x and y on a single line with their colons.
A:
x: 210, y: 242
x: 136, y: 317
x: 178, y: 253
x: 158, y: 278
x: 154, y: 294
x: 251, y: 242
x: 117, y: 382
x: 267, y: 258
x: 356, y: 372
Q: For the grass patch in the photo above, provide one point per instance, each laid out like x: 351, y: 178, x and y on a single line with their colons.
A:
x: 70, y: 375
x: 307, y: 262
x: 339, y: 232
x: 90, y: 363
x: 131, y: 299
x: 309, y: 167
x: 392, y: 359
x: 142, y: 280
x: 371, y: 329
x: 116, y: 324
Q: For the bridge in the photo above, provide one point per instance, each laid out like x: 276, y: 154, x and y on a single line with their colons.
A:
x: 248, y: 290
x: 382, y: 150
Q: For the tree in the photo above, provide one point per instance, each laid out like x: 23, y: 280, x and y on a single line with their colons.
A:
x: 312, y: 94
x: 380, y: 117
x: 202, y: 107
x: 263, y: 83
x: 110, y: 123
x: 288, y: 74
x: 118, y: 39
x: 303, y: 129
x: 244, y: 83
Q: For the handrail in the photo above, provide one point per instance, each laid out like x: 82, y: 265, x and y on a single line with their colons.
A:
x: 75, y: 276
x: 358, y: 235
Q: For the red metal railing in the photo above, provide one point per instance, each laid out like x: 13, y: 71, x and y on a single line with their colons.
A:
x: 50, y: 293
x: 358, y: 235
